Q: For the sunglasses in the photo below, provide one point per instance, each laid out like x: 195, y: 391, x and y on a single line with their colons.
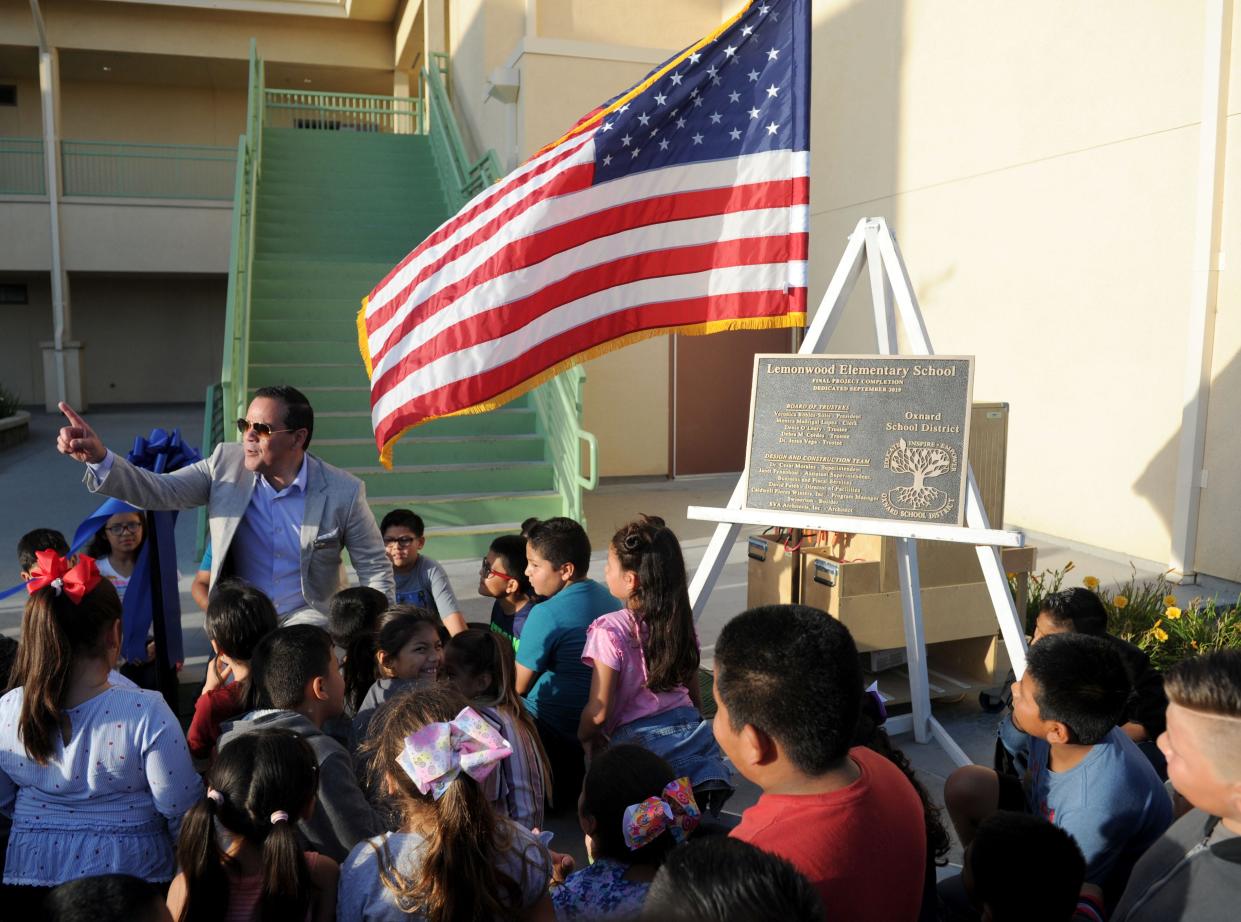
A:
x: 262, y: 430
x: 403, y: 541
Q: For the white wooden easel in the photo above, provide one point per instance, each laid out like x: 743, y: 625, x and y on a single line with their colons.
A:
x: 872, y: 245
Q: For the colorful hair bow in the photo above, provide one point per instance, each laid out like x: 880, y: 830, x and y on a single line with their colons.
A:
x: 436, y: 754
x: 673, y: 810
x: 73, y: 581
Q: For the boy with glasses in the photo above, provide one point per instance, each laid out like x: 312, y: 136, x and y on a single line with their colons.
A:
x: 420, y: 580
x: 502, y: 576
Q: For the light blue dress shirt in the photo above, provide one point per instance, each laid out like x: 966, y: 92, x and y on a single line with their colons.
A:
x: 267, y: 548
x: 266, y: 551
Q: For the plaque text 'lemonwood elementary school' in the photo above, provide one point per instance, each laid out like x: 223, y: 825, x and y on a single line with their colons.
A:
x: 883, y: 437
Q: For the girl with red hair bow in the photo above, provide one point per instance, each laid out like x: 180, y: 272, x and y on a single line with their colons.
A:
x: 95, y: 775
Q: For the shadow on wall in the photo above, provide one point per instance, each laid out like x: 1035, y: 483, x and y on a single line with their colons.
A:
x: 1219, y: 531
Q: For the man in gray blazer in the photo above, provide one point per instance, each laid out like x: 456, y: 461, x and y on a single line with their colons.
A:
x: 279, y: 517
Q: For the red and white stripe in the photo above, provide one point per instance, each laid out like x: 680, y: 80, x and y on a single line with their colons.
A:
x: 544, y: 266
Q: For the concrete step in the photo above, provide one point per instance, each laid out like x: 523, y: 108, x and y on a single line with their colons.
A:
x: 416, y: 449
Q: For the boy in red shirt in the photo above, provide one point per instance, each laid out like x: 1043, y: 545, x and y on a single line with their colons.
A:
x: 788, y: 687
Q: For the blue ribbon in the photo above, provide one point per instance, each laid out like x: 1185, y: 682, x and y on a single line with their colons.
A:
x: 162, y: 452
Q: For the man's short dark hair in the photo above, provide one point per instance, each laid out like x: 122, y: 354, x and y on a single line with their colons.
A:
x: 560, y: 541
x: 238, y: 617
x: 1005, y: 848
x: 792, y: 672
x: 298, y: 413
x: 1079, y: 609
x: 1210, y: 683
x: 105, y: 898
x: 355, y: 611
x: 41, y: 539
x: 403, y: 518
x: 284, y: 662
x: 1082, y: 683
x: 722, y: 879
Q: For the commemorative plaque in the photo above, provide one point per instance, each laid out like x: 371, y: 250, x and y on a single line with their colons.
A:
x: 882, y: 437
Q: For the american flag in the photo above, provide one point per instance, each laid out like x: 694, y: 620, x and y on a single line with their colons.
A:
x: 680, y: 206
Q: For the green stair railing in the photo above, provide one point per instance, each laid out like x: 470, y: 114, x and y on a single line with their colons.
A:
x: 127, y: 170
x: 468, y: 179
x: 22, y: 171
x: 343, y: 112
x: 558, y: 402
x: 231, y: 401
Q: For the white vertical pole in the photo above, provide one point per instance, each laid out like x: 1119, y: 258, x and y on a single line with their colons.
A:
x: 906, y: 548
x: 817, y: 335
x: 1196, y: 391
x: 1012, y: 627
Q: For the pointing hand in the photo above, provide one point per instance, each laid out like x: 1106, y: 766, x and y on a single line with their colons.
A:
x: 78, y: 439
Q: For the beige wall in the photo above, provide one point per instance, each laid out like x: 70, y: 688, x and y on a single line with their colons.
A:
x: 151, y: 114
x: 642, y: 23
x: 172, y: 30
x: 1038, y: 167
x: 180, y: 321
x: 22, y: 328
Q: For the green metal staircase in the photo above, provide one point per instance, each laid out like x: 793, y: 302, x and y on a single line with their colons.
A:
x: 333, y: 190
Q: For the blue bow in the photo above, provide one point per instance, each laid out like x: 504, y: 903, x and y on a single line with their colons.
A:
x: 163, y: 453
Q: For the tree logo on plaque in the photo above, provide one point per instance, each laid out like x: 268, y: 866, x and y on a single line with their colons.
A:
x: 923, y: 461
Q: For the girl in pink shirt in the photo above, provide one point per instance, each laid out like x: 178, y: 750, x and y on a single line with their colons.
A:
x: 644, y: 688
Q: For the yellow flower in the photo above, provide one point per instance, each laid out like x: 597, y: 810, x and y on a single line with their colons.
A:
x: 1120, y: 601
x: 1172, y: 613
x: 1090, y: 582
x: 1194, y: 644
x: 1169, y: 601
x: 1012, y: 575
x: 1159, y: 633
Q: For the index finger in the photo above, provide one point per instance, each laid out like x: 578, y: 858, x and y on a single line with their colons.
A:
x: 73, y: 417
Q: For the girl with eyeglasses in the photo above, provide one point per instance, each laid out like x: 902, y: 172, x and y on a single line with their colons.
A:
x: 115, y: 548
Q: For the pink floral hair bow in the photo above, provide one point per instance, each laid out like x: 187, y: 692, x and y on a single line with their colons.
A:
x: 435, y: 755
x: 673, y: 810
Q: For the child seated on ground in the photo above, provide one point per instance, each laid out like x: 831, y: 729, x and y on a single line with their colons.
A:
x: 295, y: 684
x: 408, y: 654
x: 452, y: 857
x: 238, y: 617
x: 40, y: 539
x: 633, y: 812
x: 871, y: 734
x: 721, y: 879
x: 353, y: 620
x: 1080, y: 611
x: 997, y: 864
x: 1194, y: 872
x: 503, y: 577
x: 95, y: 776
x: 1085, y: 776
x: 239, y: 853
x: 550, y: 671
x: 480, y: 665
x: 788, y: 686
x: 420, y: 581
x: 644, y: 663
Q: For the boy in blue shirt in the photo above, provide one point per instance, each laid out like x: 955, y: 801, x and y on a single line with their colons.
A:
x: 550, y: 671
x: 1085, y: 774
